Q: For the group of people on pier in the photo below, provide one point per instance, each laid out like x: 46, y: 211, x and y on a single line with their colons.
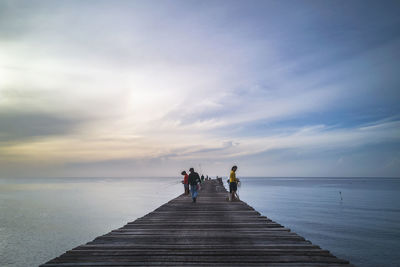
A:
x: 192, y: 183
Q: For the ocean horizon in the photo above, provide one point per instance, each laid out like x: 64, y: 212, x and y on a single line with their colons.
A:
x: 357, y: 219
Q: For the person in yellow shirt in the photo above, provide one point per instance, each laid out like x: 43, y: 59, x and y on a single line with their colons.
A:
x: 233, y: 184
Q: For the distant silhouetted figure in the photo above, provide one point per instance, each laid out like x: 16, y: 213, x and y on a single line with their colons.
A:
x: 233, y: 184
x: 194, y: 179
x: 202, y: 178
x: 185, y: 182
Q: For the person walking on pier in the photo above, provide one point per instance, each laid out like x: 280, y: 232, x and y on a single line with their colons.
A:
x: 194, y: 179
x: 233, y: 184
x: 185, y: 182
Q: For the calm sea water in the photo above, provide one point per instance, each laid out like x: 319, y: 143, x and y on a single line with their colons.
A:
x: 42, y: 218
x: 356, y: 219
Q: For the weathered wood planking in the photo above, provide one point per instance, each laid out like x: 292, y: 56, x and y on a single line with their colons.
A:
x: 211, y: 232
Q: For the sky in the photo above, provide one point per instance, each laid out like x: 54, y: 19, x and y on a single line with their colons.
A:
x: 151, y: 88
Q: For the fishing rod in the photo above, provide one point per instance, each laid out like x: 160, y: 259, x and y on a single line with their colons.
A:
x: 201, y: 171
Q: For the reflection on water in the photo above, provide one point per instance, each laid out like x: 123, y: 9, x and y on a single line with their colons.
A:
x: 42, y: 218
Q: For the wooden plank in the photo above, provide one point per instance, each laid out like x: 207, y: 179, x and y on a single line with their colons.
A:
x: 272, y: 252
x: 211, y: 232
x: 177, y: 264
x: 306, y: 245
x: 203, y: 259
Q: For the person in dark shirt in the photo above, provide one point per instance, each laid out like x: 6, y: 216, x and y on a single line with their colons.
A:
x: 194, y: 179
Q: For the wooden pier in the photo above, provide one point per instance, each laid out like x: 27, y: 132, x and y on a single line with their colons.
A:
x: 211, y: 232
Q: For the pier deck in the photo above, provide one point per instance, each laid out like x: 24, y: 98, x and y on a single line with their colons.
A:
x: 211, y: 232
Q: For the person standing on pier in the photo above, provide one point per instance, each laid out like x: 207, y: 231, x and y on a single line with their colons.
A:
x: 185, y: 182
x: 194, y: 179
x: 233, y: 184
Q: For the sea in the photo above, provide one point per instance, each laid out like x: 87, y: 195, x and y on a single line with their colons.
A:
x: 357, y: 219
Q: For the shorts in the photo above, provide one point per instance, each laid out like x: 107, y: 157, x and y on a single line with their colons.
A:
x: 232, y: 187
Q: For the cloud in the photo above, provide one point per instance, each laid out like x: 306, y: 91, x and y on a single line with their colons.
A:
x: 24, y: 126
x: 188, y: 81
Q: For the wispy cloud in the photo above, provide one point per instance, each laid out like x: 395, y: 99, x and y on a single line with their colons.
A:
x: 185, y: 82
